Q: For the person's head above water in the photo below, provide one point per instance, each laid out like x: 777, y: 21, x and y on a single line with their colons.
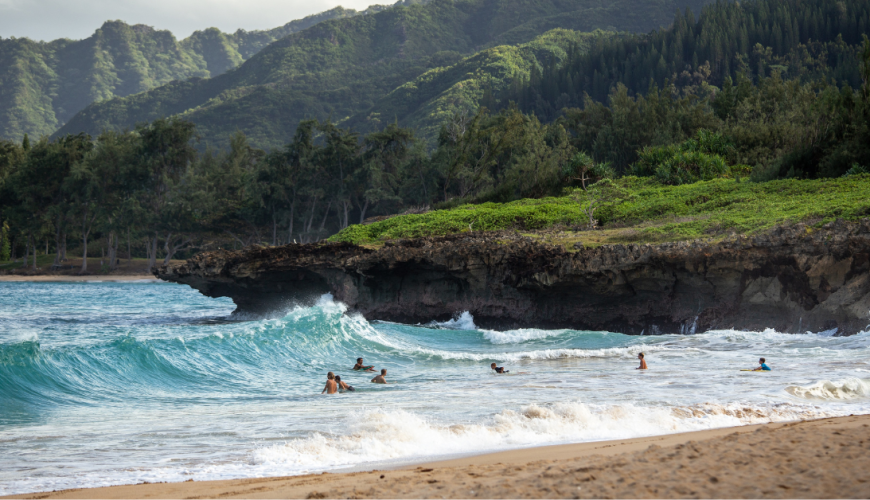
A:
x: 761, y: 360
x: 330, y: 376
x: 492, y: 365
x: 640, y: 355
x: 338, y: 378
x: 383, y: 371
x: 359, y: 360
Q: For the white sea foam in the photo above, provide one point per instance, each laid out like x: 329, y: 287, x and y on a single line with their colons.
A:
x: 521, y: 335
x: 842, y: 390
x: 462, y: 321
x: 383, y: 435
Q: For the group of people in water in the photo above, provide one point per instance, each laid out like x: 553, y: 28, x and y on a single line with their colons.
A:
x: 334, y: 383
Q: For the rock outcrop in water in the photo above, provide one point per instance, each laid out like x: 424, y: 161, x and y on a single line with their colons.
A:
x: 792, y: 279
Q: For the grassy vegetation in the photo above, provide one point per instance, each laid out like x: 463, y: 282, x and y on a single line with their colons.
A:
x: 73, y: 265
x: 648, y: 212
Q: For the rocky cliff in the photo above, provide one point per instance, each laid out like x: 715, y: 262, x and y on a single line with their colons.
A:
x: 792, y: 279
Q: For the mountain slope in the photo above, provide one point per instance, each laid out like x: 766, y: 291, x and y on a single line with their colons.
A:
x: 342, y: 67
x: 42, y: 85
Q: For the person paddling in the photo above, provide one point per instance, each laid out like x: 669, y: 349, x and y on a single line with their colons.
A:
x: 642, y: 362
x: 498, y: 369
x: 762, y: 366
x: 359, y: 366
x: 343, y: 386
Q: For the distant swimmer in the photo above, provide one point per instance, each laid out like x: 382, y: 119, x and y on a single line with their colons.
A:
x: 762, y: 367
x: 499, y: 369
x: 380, y: 378
x: 331, y: 386
x: 642, y: 362
x: 342, y: 386
x: 359, y: 366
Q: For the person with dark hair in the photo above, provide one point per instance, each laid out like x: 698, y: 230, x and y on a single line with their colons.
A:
x: 762, y: 366
x: 343, y: 386
x: 359, y: 366
x: 642, y: 362
x: 380, y: 378
x: 498, y: 369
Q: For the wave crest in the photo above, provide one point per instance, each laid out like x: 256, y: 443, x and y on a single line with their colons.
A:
x: 843, y: 390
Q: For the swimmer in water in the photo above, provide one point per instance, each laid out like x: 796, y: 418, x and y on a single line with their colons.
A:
x: 499, y: 369
x: 380, y: 378
x: 331, y: 386
x: 342, y: 386
x: 642, y: 362
x: 762, y: 367
x: 359, y: 366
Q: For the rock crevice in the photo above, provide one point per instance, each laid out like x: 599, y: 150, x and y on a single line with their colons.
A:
x: 792, y: 279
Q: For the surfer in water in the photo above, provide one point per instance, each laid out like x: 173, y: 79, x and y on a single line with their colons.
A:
x: 342, y: 386
x: 331, y: 386
x: 499, y: 369
x: 359, y: 366
x: 762, y: 367
x: 379, y: 379
x: 642, y: 362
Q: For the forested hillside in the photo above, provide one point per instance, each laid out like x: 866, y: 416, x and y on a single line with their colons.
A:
x: 689, y: 157
x: 42, y: 85
x: 342, y: 68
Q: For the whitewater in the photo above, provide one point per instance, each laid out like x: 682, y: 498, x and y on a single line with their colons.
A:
x: 119, y: 383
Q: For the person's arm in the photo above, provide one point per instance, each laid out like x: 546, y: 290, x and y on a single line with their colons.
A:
x: 325, y: 388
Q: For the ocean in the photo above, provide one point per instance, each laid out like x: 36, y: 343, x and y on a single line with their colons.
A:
x: 119, y: 383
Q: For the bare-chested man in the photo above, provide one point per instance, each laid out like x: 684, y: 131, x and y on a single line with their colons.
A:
x: 380, y: 378
x: 642, y: 362
x: 359, y: 366
x: 343, y: 386
x: 331, y: 386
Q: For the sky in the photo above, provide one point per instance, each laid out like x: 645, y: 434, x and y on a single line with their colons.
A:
x: 77, y: 19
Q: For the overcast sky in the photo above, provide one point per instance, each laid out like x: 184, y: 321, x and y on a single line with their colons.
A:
x: 50, y: 19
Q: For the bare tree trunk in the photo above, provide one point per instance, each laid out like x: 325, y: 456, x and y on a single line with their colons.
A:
x: 290, y: 225
x: 26, y: 251
x: 113, y: 250
x: 274, y: 229
x: 57, y: 244
x: 172, y: 249
x: 311, y: 218
x: 362, y: 212
x: 325, y: 215
x: 129, y: 253
x: 85, y: 234
x: 63, y: 259
x: 35, y: 252
x: 152, y: 254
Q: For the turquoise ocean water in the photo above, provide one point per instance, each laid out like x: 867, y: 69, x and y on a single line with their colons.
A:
x: 116, y: 383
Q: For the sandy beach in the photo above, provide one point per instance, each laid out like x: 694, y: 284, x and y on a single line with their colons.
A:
x: 826, y: 458
x: 67, y: 277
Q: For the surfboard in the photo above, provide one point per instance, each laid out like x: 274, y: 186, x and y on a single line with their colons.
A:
x: 755, y: 370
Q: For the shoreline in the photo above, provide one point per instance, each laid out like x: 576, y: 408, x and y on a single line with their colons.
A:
x: 39, y: 278
x: 813, y: 459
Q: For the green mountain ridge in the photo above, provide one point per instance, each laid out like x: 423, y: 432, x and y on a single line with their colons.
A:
x: 44, y: 84
x: 344, y: 69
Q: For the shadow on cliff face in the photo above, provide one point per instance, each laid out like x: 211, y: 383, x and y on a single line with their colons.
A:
x: 792, y: 279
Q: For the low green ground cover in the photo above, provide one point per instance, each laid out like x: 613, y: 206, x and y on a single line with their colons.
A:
x: 647, y: 211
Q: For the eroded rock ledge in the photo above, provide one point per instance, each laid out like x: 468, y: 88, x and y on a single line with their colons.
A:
x: 792, y: 279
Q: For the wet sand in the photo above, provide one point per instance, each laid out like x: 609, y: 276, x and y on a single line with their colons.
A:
x: 827, y: 458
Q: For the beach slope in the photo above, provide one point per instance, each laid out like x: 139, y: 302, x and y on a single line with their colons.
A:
x: 826, y: 458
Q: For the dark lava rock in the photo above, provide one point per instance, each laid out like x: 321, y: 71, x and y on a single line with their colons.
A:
x: 792, y: 279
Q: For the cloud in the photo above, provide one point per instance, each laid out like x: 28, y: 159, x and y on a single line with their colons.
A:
x: 77, y: 19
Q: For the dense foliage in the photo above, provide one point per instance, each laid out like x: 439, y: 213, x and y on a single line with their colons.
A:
x: 647, y: 211
x: 675, y: 162
x: 42, y: 85
x: 404, y: 63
